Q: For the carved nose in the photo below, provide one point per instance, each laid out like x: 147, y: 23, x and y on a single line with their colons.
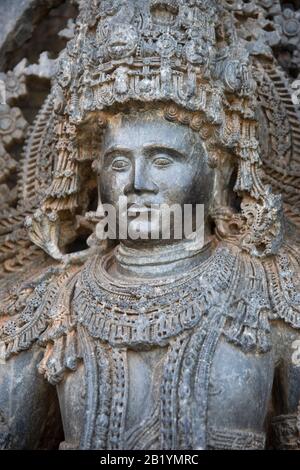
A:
x: 141, y: 180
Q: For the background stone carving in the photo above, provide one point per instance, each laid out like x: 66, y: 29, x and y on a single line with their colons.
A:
x: 27, y: 27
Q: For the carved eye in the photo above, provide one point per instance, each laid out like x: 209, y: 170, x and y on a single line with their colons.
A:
x: 120, y: 164
x: 162, y: 161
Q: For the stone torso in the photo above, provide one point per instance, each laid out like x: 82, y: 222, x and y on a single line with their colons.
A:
x: 159, y: 368
x: 183, y: 362
x: 239, y: 393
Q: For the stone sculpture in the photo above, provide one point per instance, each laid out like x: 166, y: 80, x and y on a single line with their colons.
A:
x: 158, y: 344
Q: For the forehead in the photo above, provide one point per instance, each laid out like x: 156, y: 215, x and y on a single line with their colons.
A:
x: 138, y: 130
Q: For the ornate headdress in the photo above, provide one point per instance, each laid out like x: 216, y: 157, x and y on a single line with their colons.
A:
x: 186, y: 54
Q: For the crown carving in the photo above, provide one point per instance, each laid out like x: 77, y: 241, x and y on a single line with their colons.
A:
x: 151, y: 50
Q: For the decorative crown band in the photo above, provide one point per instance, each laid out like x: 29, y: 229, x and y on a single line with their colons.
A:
x: 151, y: 50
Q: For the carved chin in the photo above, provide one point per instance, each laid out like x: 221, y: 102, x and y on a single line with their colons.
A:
x: 142, y: 229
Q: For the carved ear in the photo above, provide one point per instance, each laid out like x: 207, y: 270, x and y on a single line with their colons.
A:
x: 258, y: 226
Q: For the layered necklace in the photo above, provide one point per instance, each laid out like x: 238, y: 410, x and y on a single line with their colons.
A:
x: 149, y: 312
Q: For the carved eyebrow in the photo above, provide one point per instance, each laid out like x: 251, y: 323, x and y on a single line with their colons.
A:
x: 163, y: 148
x: 116, y: 148
x: 148, y: 148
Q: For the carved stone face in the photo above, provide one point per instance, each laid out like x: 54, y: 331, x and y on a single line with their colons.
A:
x: 152, y: 161
x: 122, y: 41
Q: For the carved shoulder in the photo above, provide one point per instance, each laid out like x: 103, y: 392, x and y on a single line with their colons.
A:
x: 36, y: 313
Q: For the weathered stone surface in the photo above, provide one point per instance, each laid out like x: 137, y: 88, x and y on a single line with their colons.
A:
x: 17, y: 22
x: 153, y: 343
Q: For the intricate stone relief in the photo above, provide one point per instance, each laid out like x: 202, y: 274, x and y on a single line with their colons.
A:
x: 113, y: 320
